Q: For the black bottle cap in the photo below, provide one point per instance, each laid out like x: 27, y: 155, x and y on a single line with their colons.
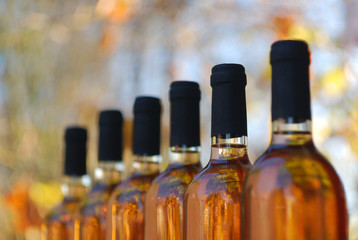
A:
x: 110, y: 136
x: 146, y: 132
x: 290, y: 80
x: 75, y: 151
x: 228, y: 82
x: 184, y: 99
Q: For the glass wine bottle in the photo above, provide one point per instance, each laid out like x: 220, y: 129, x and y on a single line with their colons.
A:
x: 213, y: 198
x: 293, y: 192
x: 164, y: 199
x: 127, y: 201
x: 62, y: 222
x: 107, y: 175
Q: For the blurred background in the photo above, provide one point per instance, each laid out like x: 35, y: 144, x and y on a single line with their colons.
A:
x: 61, y: 62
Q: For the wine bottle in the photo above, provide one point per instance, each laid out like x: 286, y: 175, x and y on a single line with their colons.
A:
x: 212, y: 200
x: 164, y: 199
x: 127, y: 201
x: 62, y: 222
x: 107, y: 175
x: 293, y: 192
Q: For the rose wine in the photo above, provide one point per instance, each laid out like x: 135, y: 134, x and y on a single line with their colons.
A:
x: 62, y: 222
x: 164, y: 199
x: 293, y: 192
x: 213, y: 199
x: 108, y: 175
x: 126, y: 204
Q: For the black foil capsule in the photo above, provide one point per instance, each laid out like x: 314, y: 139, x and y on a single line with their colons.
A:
x: 184, y: 99
x: 110, y: 136
x: 290, y: 81
x: 75, y: 151
x: 228, y: 82
x: 146, y: 132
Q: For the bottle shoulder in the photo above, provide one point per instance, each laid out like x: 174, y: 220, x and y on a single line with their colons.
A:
x: 173, y: 181
x: 178, y: 172
x: 135, y: 180
x: 220, y: 176
x: 132, y: 187
x: 302, y: 166
x: 224, y: 167
x: 97, y: 197
x: 65, y: 209
x: 291, y: 156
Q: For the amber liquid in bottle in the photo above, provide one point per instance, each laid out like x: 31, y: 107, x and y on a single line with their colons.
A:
x: 164, y: 200
x: 293, y: 192
x: 127, y: 201
x: 62, y: 222
x: 213, y: 199
x: 94, y: 210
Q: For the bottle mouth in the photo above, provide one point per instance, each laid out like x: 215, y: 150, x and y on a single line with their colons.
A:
x: 147, y: 105
x: 228, y: 67
x: 76, y: 134
x: 184, y: 90
x: 111, y: 117
x: 289, y: 50
x: 228, y: 73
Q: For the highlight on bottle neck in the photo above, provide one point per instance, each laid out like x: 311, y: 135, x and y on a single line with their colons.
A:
x: 75, y: 186
x: 290, y: 125
x: 290, y: 83
x: 184, y: 155
x: 291, y: 132
x: 109, y: 171
x: 228, y: 82
x: 228, y: 139
x: 228, y: 147
x: 146, y: 164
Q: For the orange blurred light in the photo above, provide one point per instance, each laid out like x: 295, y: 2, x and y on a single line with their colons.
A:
x: 23, y: 208
x: 115, y: 10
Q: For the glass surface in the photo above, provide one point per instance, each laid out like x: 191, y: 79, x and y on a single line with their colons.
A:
x: 293, y: 192
x: 62, y: 222
x: 94, y: 209
x: 212, y: 200
x: 164, y: 200
x: 127, y: 201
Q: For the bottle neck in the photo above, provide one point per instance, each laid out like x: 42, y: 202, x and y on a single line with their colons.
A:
x: 184, y: 155
x: 291, y: 132
x: 109, y: 172
x: 146, y: 165
x: 226, y: 148
x: 75, y: 186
